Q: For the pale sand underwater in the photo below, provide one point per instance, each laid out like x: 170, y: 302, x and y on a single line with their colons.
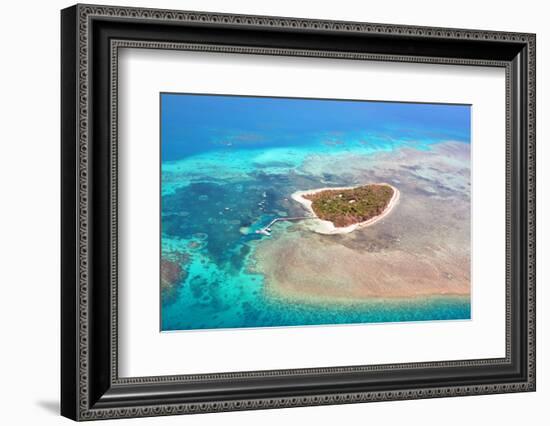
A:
x: 421, y: 249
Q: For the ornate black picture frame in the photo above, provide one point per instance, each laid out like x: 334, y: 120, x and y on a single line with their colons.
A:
x: 90, y: 38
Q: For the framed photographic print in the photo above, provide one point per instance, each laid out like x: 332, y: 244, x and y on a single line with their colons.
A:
x: 263, y: 212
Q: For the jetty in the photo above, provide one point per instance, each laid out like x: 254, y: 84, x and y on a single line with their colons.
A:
x: 266, y: 230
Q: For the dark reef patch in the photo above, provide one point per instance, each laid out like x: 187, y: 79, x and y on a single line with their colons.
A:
x: 172, y: 274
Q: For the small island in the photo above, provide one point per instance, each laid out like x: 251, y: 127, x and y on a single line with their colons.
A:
x: 343, y: 210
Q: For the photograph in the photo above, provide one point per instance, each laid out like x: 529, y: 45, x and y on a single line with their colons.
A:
x: 281, y: 211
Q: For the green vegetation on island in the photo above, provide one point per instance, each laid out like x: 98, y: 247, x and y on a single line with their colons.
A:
x: 344, y: 207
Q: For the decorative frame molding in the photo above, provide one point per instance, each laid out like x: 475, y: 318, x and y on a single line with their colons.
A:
x: 91, y: 388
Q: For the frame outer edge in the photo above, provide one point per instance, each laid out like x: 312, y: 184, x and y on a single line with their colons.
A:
x: 531, y: 213
x: 83, y: 84
x: 83, y: 12
x: 69, y: 221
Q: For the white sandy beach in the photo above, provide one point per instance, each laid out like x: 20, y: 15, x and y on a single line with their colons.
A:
x: 326, y: 227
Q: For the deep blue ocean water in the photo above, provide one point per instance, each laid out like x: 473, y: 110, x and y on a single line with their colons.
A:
x: 229, y: 165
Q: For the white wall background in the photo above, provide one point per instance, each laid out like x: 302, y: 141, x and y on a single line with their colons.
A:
x: 29, y: 213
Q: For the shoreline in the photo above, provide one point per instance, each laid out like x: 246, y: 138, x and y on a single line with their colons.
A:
x: 327, y: 227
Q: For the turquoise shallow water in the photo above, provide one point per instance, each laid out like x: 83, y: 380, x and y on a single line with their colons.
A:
x: 224, y: 295
x: 213, y: 218
x: 213, y: 199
